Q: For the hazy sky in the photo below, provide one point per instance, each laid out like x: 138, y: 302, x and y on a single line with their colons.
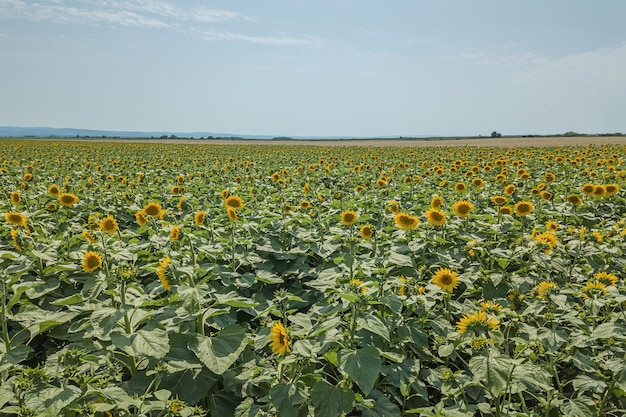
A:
x: 320, y: 68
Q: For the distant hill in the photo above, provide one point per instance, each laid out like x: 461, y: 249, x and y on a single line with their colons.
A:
x: 47, y: 132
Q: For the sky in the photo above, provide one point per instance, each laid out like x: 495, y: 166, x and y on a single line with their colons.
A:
x: 315, y: 68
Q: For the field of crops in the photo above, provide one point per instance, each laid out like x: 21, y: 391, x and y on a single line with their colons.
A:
x: 259, y: 280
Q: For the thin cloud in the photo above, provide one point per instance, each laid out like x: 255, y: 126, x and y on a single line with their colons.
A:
x: 148, y: 14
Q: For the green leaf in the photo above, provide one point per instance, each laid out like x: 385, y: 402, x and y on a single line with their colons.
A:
x: 362, y: 365
x: 247, y: 408
x: 288, y: 398
x: 234, y: 300
x: 374, y: 325
x: 578, y: 407
x: 147, y: 342
x: 399, y: 259
x: 330, y: 400
x: 189, y: 385
x: 220, y: 352
x: 445, y: 350
x: 492, y: 371
x: 588, y: 383
x: 382, y: 408
x: 608, y: 330
x: 14, y: 356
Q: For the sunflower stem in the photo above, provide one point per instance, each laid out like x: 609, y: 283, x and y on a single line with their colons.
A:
x: 232, y: 245
x: 3, y: 317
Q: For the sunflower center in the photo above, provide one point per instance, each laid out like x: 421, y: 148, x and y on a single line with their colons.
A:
x: 445, y: 279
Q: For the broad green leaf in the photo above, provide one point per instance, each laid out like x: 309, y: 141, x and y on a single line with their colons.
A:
x: 147, y: 343
x: 491, y: 370
x: 247, y: 408
x: 584, y: 383
x: 234, y: 300
x: 382, y: 408
x: 288, y: 398
x: 375, y: 325
x: 220, y: 352
x: 362, y: 365
x: 578, y: 407
x: 330, y: 400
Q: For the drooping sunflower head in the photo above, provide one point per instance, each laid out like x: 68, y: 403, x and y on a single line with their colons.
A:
x: 199, y: 217
x: 606, y: 278
x: 367, y: 231
x: 491, y: 307
x: 523, y: 208
x: 406, y: 221
x: 68, y: 199
x: 393, y: 206
x: 478, y: 322
x: 91, y: 261
x: 348, y: 217
x: 463, y: 208
x: 15, y: 218
x: 435, y: 217
x: 548, y: 240
x: 446, y: 279
x: 545, y: 288
x: 232, y: 214
x: 593, y: 289
x: 279, y: 342
x: 175, y: 233
x: 141, y: 217
x: 162, y: 273
x: 234, y: 202
x: 108, y: 224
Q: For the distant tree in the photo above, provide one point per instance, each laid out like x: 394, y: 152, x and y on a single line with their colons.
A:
x: 495, y: 134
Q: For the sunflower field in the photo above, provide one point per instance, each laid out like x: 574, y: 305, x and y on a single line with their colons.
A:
x: 151, y: 279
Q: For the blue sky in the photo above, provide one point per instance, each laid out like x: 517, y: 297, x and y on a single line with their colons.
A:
x: 315, y: 68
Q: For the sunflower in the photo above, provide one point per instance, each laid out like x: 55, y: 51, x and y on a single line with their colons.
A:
x: 16, y: 218
x: 435, y: 217
x: 14, y: 240
x: 108, y: 224
x: 544, y: 288
x: 224, y: 193
x: 140, y: 217
x: 393, y: 206
x: 599, y: 190
x: 305, y: 204
x: 506, y: 210
x: 546, y: 195
x: 478, y: 322
x: 349, y: 217
x: 27, y: 177
x: 367, y: 231
x: 460, y: 187
x: 232, y: 214
x: 175, y: 233
x: 402, y: 286
x: 89, y: 236
x: 587, y: 188
x: 552, y: 226
x: 279, y: 343
x: 358, y: 188
x: 606, y: 278
x: 463, y: 208
x: 153, y: 209
x: 478, y: 182
x: 406, y: 221
x: 358, y: 285
x: 436, y: 202
x: 446, y: 279
x: 498, y: 200
x: 510, y: 189
x: 16, y: 197
x: 199, y: 217
x: 306, y: 188
x: 523, y: 208
x: 547, y: 239
x: 176, y: 190
x: 234, y: 202
x: 593, y: 288
x: 162, y: 273
x: 490, y: 307
x: 611, y: 189
x: 91, y: 261
x: 68, y: 199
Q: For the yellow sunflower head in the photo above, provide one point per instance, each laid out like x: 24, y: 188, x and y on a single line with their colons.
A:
x: 446, y: 279
x: 435, y: 217
x: 91, y: 261
x: 15, y: 218
x: 460, y: 187
x: 348, y: 217
x: 406, y: 221
x: 574, y: 199
x: 16, y: 197
x: 153, y: 209
x: 234, y: 202
x: 199, y: 218
x: 606, y: 278
x: 279, y: 342
x: 367, y: 231
x: 499, y: 200
x: 478, y: 322
x: 523, y: 208
x: 611, y: 189
x: 232, y: 214
x: 587, y: 188
x: 436, y: 202
x: 108, y: 224
x: 68, y: 199
x: 463, y: 208
x: 175, y: 233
